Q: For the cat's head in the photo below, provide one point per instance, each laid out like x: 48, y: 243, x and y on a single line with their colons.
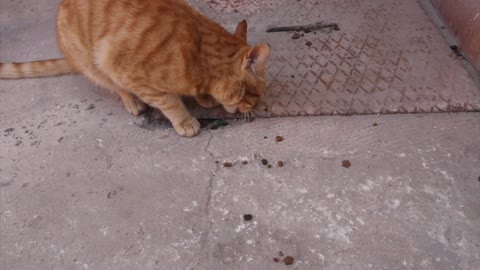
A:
x: 252, y: 82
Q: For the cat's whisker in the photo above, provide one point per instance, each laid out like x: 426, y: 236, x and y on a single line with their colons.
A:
x: 252, y: 116
x: 258, y: 113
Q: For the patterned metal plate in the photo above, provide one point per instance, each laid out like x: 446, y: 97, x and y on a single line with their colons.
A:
x: 388, y: 57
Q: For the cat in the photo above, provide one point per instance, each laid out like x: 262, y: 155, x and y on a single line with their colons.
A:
x: 153, y: 52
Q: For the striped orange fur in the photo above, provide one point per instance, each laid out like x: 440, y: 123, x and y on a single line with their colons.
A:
x: 153, y: 52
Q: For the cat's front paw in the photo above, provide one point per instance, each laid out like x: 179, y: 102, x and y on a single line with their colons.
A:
x: 206, y: 101
x: 188, y: 128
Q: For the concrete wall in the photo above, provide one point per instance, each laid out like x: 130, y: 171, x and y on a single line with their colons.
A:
x: 463, y: 17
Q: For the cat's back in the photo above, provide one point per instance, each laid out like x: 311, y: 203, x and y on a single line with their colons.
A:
x: 93, y: 19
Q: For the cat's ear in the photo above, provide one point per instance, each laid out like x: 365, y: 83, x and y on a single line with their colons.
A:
x: 241, y: 30
x: 258, y: 56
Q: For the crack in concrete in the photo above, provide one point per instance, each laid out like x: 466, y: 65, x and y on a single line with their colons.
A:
x: 207, y: 207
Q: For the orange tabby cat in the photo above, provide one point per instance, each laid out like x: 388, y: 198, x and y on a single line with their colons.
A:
x: 154, y: 52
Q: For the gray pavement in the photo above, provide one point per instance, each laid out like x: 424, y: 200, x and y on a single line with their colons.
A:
x: 95, y: 188
x: 84, y: 185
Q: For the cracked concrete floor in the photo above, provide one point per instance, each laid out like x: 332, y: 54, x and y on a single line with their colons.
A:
x: 84, y: 185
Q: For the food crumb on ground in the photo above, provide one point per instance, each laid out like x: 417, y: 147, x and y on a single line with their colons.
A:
x: 269, y: 166
x: 265, y: 162
x: 288, y: 260
x: 280, y: 254
x: 227, y: 165
x: 346, y: 164
x: 280, y: 164
x: 375, y: 124
x: 247, y: 217
x: 244, y: 162
x: 277, y: 260
x: 279, y: 139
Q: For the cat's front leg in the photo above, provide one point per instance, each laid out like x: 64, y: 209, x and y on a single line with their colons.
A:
x: 173, y: 108
x: 206, y: 101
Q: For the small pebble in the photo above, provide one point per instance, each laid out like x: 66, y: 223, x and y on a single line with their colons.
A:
x: 227, y: 165
x: 346, y: 164
x: 244, y: 162
x: 288, y: 260
x: 308, y: 43
x: 265, y: 162
x: 269, y: 166
x: 247, y: 217
x: 375, y: 124
x: 296, y: 35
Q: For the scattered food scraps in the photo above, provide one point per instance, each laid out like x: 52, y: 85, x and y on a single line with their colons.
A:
x: 279, y: 139
x: 288, y: 260
x: 227, y: 165
x: 346, y: 164
x: 280, y: 164
x: 277, y: 260
x: 265, y: 162
x: 247, y: 217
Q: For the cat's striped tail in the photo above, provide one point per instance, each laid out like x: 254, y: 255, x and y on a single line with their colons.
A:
x: 44, y: 68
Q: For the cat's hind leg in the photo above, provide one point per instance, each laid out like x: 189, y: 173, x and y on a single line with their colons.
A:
x: 132, y: 103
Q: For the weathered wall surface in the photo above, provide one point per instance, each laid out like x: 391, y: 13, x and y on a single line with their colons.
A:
x: 463, y: 17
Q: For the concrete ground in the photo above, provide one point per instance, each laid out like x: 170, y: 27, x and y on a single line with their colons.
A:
x: 84, y: 185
